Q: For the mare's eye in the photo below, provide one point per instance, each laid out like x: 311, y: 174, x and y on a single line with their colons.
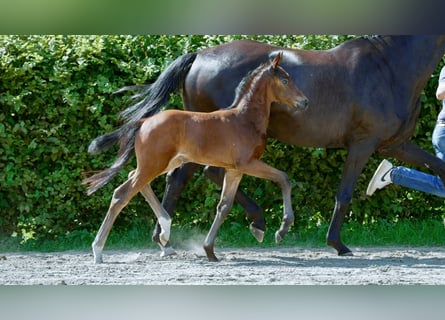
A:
x: 284, y: 81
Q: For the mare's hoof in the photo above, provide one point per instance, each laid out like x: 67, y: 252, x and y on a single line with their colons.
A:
x: 257, y: 233
x: 210, y: 254
x: 213, y: 258
x: 342, y: 250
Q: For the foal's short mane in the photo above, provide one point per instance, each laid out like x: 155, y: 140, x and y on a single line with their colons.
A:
x: 246, y: 84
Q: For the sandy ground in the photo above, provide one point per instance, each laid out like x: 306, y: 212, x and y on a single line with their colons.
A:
x: 244, y: 266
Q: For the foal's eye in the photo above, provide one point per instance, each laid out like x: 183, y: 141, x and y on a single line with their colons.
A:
x: 284, y: 81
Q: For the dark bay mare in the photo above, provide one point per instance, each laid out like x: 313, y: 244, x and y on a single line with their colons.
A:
x: 364, y: 96
x: 233, y: 139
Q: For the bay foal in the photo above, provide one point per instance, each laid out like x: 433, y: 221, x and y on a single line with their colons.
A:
x: 234, y: 138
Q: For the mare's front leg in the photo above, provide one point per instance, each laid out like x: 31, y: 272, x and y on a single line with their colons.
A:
x: 232, y: 179
x: 259, y: 169
x: 358, y: 155
x: 254, y: 213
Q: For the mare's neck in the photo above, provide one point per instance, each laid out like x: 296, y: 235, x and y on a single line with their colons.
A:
x: 418, y: 56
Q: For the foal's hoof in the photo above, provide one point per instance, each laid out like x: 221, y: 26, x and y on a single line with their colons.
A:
x: 164, y: 236
x: 346, y: 254
x: 155, y: 237
x: 97, y: 253
x: 278, y: 237
x: 163, y: 240
x: 98, y: 260
x: 166, y: 251
x: 257, y: 233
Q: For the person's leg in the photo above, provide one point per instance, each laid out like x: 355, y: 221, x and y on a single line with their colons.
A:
x: 381, y: 177
x: 438, y: 140
x: 386, y: 174
x: 418, y: 180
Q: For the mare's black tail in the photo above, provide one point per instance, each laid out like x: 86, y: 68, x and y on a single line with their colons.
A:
x: 126, y: 136
x: 156, y: 95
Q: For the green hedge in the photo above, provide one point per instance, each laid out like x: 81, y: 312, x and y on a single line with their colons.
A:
x: 56, y: 97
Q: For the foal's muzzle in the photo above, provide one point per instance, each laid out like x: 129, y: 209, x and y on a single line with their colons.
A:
x: 302, y: 104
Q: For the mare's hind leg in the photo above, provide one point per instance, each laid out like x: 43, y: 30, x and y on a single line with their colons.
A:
x: 254, y: 212
x: 259, y: 169
x: 121, y: 196
x: 232, y: 179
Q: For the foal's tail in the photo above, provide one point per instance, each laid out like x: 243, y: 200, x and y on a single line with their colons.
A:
x: 126, y: 136
x: 156, y: 95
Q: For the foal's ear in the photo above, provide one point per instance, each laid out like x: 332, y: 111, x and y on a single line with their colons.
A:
x: 276, y: 61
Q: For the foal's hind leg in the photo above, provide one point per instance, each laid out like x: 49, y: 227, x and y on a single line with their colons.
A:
x: 121, y: 196
x: 232, y: 179
x: 176, y: 181
x: 164, y: 219
x: 259, y: 169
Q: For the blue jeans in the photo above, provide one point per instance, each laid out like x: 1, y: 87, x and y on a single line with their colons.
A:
x: 418, y: 180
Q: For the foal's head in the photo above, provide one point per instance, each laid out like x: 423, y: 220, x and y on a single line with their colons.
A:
x: 282, y: 87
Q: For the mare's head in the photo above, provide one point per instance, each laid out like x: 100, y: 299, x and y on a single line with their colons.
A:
x: 282, y: 87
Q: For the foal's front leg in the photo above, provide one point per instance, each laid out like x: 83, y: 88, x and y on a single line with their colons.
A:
x: 254, y: 212
x: 232, y: 179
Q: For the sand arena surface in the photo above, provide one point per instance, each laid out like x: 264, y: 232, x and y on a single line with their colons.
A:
x: 237, y: 266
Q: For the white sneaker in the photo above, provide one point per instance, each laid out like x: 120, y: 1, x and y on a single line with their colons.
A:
x: 381, y: 177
